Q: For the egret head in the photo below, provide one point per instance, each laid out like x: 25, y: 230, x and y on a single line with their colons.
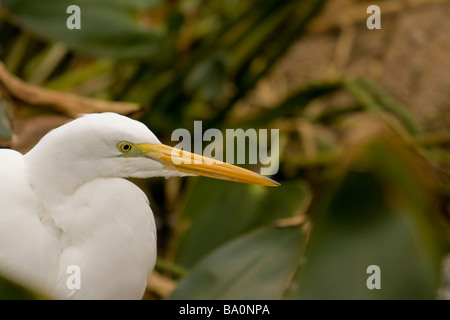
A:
x: 111, y: 145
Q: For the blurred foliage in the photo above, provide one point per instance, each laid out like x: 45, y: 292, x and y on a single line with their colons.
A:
x: 233, y: 217
x: 375, y: 211
x: 271, y: 253
x: 360, y: 185
x: 5, y: 126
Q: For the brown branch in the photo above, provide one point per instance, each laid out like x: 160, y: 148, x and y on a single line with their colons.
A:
x: 161, y: 285
x: 67, y: 103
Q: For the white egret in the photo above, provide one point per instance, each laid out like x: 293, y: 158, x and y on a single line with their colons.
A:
x: 66, y: 203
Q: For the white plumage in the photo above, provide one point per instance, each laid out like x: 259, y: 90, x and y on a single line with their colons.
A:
x: 66, y: 203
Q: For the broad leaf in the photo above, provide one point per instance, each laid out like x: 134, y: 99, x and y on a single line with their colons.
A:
x: 219, y: 211
x: 108, y: 28
x: 378, y: 213
x: 256, y: 266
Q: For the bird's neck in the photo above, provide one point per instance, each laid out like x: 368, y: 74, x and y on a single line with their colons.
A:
x: 53, y: 180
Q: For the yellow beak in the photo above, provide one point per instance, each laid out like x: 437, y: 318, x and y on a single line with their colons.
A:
x: 187, y: 162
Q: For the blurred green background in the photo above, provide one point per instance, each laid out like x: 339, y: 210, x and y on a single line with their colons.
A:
x: 363, y: 120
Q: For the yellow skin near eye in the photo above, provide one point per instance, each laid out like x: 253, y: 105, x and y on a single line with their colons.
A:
x: 124, y: 147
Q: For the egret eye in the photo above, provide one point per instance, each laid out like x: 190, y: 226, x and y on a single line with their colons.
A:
x: 124, y: 146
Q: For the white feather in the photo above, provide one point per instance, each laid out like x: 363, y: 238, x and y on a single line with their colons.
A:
x: 65, y: 203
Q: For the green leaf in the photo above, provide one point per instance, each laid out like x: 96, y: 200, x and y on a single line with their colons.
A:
x: 374, y: 100
x: 5, y: 125
x: 376, y: 212
x: 108, y: 28
x: 219, y: 211
x: 256, y: 266
x: 208, y: 77
x: 296, y: 102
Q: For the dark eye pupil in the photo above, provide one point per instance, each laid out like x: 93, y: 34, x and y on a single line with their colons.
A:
x: 126, y: 147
